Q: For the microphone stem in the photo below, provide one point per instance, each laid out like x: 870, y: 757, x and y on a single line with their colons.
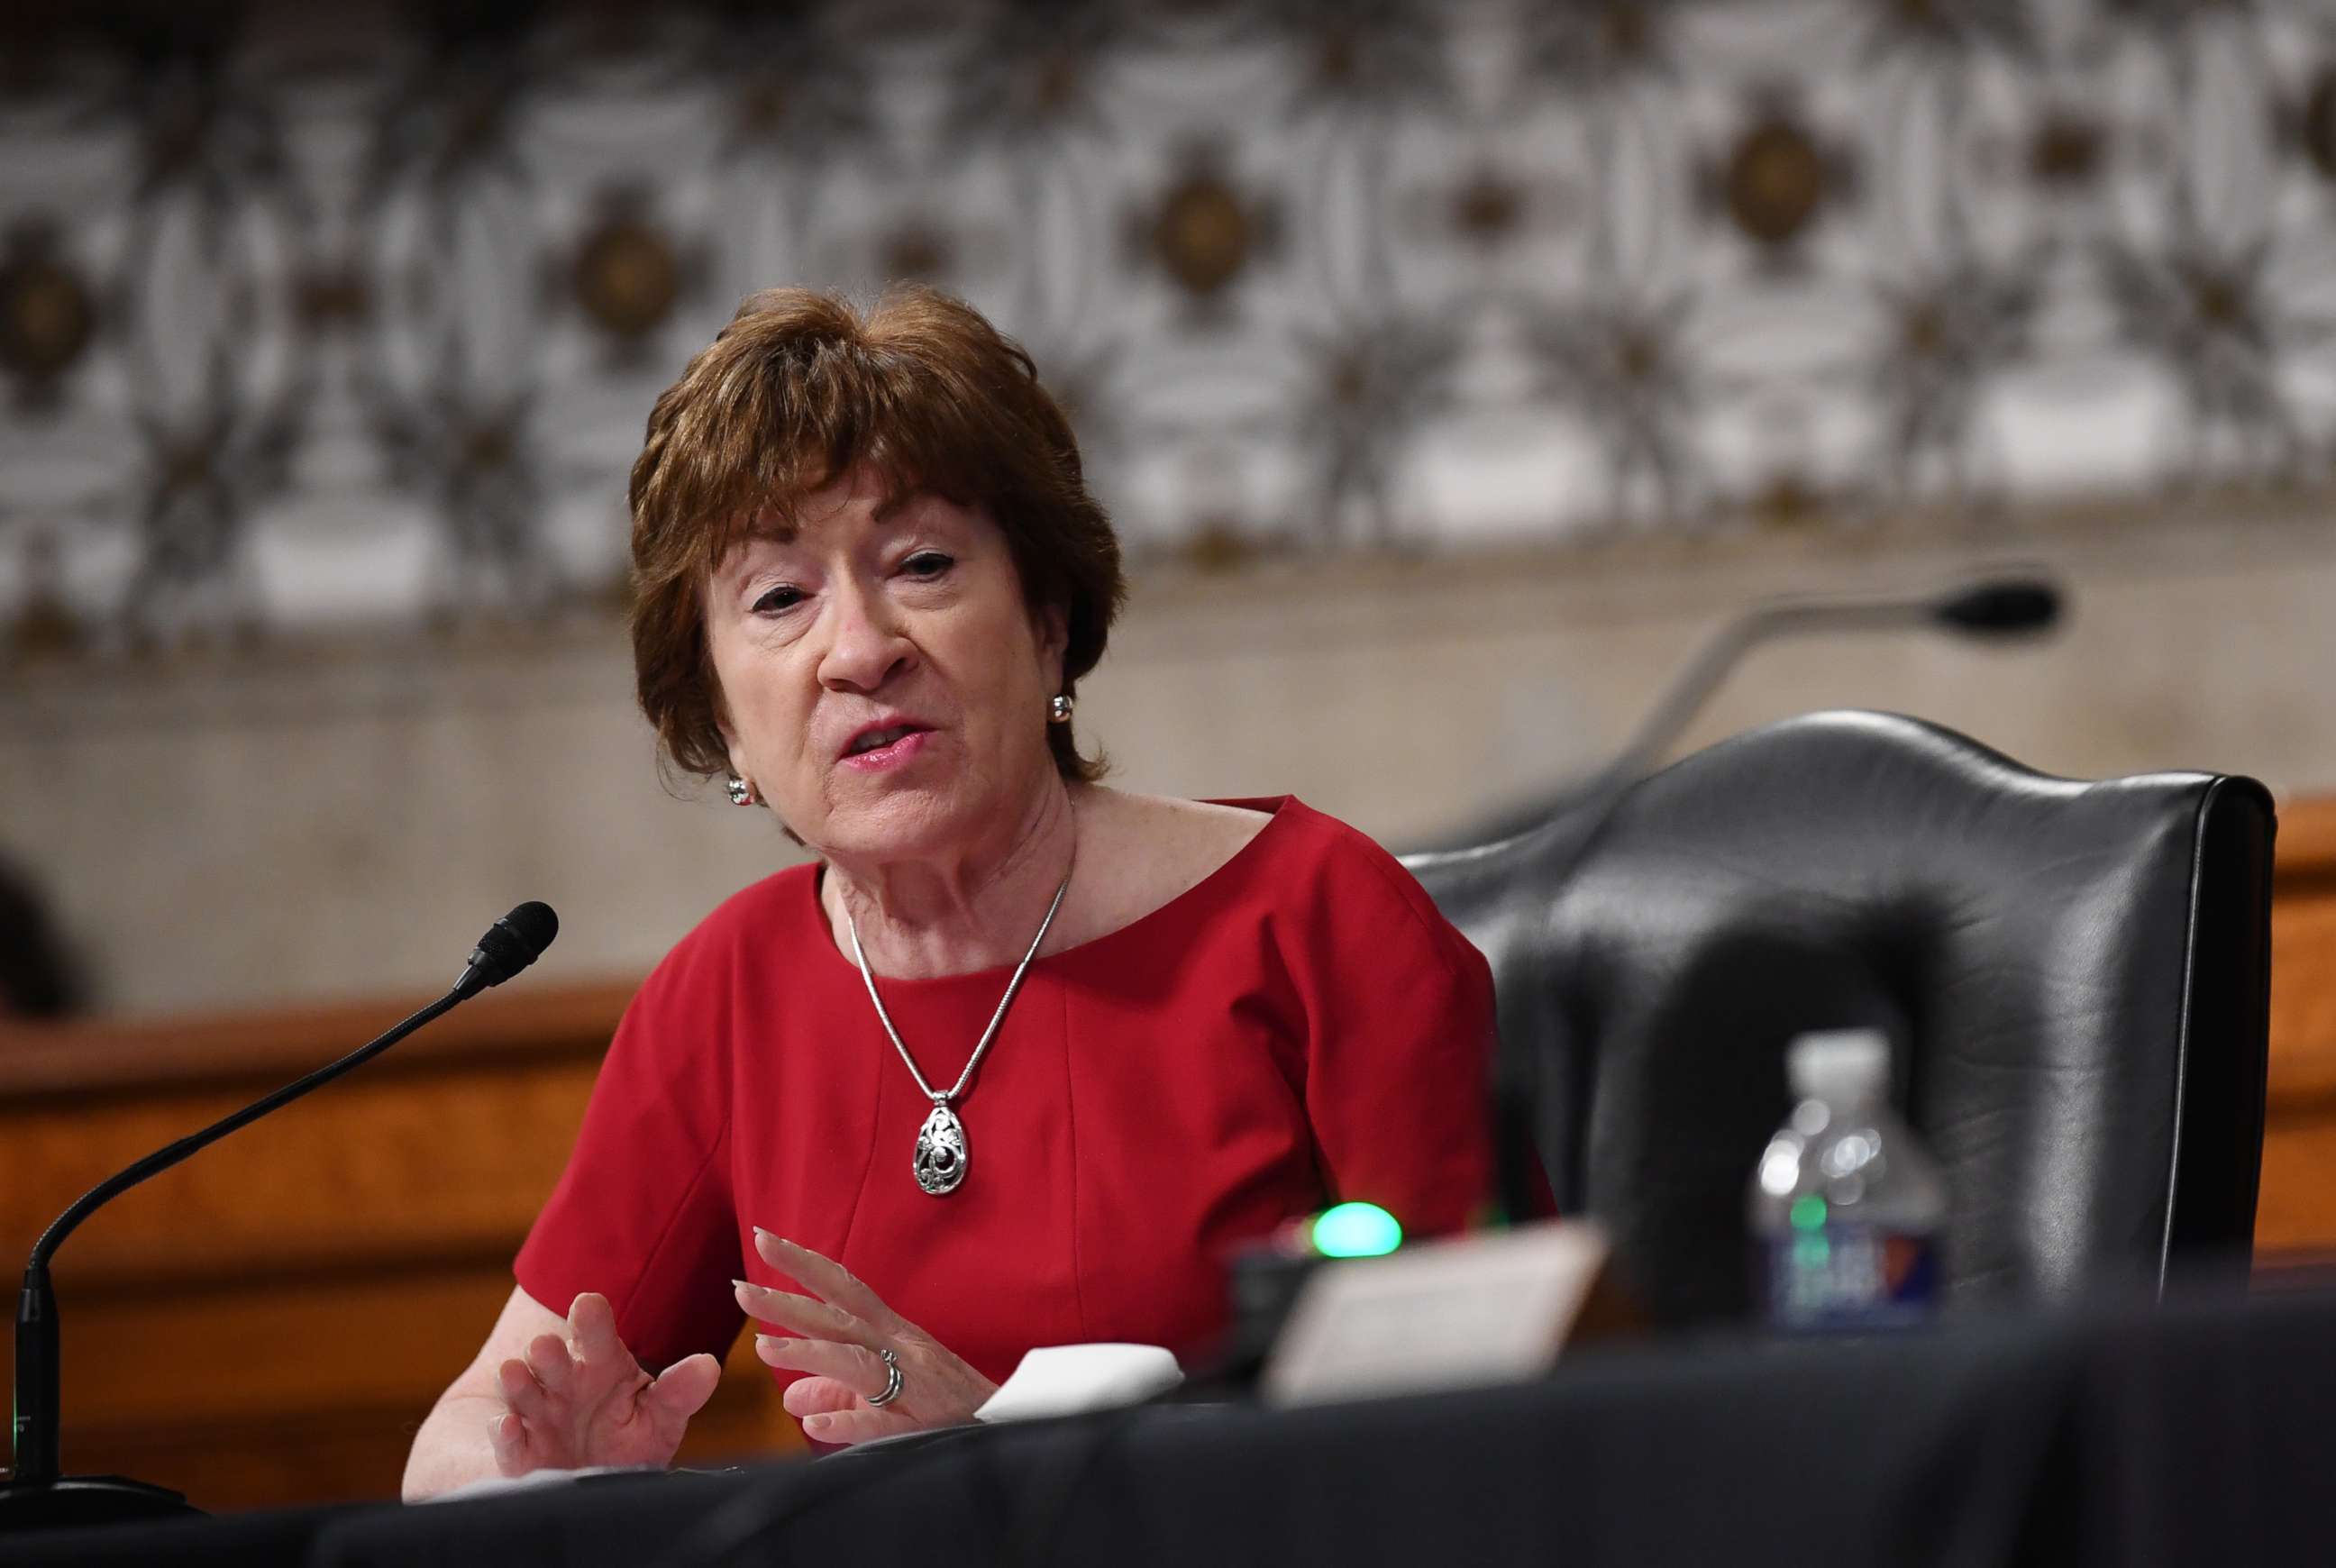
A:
x: 36, y: 1414
x: 162, y: 1159
x: 1720, y: 654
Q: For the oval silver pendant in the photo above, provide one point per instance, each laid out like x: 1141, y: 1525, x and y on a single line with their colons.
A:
x: 940, y: 1151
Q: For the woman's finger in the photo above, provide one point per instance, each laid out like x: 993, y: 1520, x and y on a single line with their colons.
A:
x: 862, y: 1426
x: 801, y: 1314
x: 817, y: 1396
x: 546, y: 1357
x: 825, y: 1278
x: 681, y: 1390
x: 507, y: 1435
x: 855, y: 1366
x: 592, y: 1330
x: 521, y: 1392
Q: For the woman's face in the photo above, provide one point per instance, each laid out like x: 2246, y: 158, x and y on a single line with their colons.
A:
x: 885, y: 684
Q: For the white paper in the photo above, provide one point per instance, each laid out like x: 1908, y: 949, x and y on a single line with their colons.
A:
x: 1066, y: 1379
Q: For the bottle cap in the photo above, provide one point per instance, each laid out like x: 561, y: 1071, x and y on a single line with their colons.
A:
x: 1839, y: 1065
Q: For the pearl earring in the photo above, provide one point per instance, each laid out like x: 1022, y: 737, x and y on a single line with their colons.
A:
x: 741, y: 793
x: 1058, y: 710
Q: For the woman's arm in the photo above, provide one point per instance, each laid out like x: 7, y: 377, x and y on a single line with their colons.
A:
x: 1400, y: 1030
x: 549, y: 1392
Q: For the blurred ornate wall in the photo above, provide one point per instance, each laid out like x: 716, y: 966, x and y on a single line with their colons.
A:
x: 319, y: 313
x: 1488, y: 348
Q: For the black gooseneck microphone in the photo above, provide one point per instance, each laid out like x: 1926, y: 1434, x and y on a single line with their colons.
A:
x: 1476, y: 885
x: 35, y: 1496
x: 1989, y: 608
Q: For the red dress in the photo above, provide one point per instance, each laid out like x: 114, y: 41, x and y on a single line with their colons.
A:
x: 1301, y: 1028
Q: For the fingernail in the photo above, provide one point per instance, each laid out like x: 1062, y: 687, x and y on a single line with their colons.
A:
x: 742, y: 1284
x: 773, y: 1236
x: 815, y: 1424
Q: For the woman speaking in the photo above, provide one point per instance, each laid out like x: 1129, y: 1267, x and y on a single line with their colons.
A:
x: 1017, y: 1058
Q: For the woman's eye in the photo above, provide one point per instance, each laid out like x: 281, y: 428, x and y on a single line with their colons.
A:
x: 928, y: 563
x: 778, y: 599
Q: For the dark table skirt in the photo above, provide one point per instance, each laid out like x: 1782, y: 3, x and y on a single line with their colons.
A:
x: 2188, y: 1434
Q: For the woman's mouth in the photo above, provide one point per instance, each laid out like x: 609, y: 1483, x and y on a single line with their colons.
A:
x: 872, y: 751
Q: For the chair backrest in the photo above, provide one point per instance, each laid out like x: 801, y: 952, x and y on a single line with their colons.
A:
x: 2074, y: 978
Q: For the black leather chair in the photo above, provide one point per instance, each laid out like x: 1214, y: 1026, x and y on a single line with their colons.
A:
x: 2074, y: 978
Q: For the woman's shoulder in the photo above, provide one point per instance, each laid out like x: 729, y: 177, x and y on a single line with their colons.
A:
x: 1288, y: 849
x: 753, y: 919
x: 1166, y: 830
x: 785, y: 893
x: 1141, y: 855
x: 1350, y: 892
x: 1351, y: 863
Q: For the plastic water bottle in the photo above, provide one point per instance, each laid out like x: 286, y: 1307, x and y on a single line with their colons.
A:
x: 1846, y: 1207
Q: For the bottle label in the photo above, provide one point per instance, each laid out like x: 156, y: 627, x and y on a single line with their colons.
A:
x: 1849, y: 1277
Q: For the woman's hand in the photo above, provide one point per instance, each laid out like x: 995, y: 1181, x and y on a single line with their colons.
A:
x: 580, y: 1400
x: 836, y: 1339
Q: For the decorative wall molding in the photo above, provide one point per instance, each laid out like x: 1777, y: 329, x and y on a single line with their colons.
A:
x: 330, y: 316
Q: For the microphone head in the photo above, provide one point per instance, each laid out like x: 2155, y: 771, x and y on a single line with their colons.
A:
x: 512, y: 943
x: 2003, y: 606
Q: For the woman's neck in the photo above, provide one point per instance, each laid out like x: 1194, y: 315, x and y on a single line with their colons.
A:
x: 974, y: 909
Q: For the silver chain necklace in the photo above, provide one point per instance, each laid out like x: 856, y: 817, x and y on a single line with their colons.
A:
x: 941, y: 1153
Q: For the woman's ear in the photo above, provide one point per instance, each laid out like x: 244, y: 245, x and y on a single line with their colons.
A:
x: 1052, y: 625
x: 724, y: 728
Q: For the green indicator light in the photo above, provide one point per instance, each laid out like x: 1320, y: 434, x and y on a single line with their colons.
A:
x: 1356, y: 1231
x: 1808, y: 1213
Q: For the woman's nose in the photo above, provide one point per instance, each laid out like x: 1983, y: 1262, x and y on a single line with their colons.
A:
x: 866, y: 647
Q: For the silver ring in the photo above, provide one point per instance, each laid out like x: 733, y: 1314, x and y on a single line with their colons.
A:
x: 891, y: 1382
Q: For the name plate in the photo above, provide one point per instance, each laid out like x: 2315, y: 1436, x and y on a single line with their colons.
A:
x: 1494, y: 1307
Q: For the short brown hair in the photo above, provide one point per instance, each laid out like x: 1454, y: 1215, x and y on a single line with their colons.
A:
x: 796, y: 392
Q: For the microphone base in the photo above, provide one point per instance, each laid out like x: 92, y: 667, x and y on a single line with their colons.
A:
x: 71, y: 1502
